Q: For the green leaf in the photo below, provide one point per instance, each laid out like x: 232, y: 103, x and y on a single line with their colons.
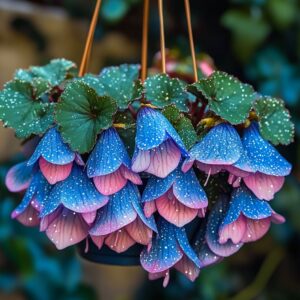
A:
x: 23, y: 110
x: 274, y: 121
x: 127, y: 133
x: 82, y: 114
x: 161, y: 90
x: 226, y: 95
x: 121, y: 83
x: 182, y: 124
x: 55, y: 72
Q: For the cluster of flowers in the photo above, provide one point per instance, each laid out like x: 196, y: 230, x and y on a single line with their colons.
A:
x: 71, y: 200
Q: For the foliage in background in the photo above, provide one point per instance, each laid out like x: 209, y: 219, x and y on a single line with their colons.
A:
x: 269, y: 31
x: 29, y: 266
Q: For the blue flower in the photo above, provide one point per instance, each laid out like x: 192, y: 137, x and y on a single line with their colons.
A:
x: 109, y: 164
x: 170, y: 248
x: 199, y: 244
x: 122, y: 223
x: 55, y: 158
x: 28, y: 210
x: 263, y: 168
x: 220, y: 147
x: 247, y: 218
x: 76, y: 193
x: 179, y: 197
x: 214, y: 222
x: 158, y: 147
x: 19, y: 176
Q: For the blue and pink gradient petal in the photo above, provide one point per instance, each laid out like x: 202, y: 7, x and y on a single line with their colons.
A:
x: 109, y: 164
x: 158, y: 147
x: 178, y: 197
x: 55, y: 158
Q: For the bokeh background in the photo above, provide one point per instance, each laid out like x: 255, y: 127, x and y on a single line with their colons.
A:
x: 256, y: 40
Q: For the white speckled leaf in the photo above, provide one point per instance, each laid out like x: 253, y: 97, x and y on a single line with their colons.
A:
x: 182, y: 124
x: 161, y: 90
x: 121, y: 83
x: 23, y: 110
x: 82, y: 114
x: 274, y: 121
x: 55, y: 72
x: 227, y: 96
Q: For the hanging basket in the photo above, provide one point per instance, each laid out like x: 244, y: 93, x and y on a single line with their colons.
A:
x: 146, y: 170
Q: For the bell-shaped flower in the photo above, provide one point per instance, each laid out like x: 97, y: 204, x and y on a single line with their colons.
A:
x: 215, y: 218
x: 247, y: 218
x: 220, y: 147
x: 170, y: 248
x: 55, y: 158
x: 122, y: 223
x: 178, y: 198
x: 158, y: 147
x: 76, y: 193
x: 65, y: 227
x: 109, y: 164
x: 27, y: 212
x: 199, y: 244
x: 263, y: 166
x: 18, y: 177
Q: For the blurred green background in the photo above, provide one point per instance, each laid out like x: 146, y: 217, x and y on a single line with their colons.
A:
x: 256, y: 40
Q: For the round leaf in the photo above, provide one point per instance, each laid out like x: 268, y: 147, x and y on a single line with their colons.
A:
x: 274, y: 121
x: 227, y: 96
x: 23, y: 110
x: 82, y: 114
x: 161, y: 90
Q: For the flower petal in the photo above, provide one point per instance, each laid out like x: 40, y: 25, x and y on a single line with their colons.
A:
x: 118, y: 212
x: 53, y: 149
x: 264, y: 186
x: 188, y: 268
x: 139, y: 232
x: 54, y: 173
x: 215, y: 218
x: 156, y: 187
x: 256, y: 229
x: 165, y: 251
x: 89, y: 217
x: 149, y: 208
x: 129, y: 175
x: 188, y: 190
x: 220, y: 146
x: 140, y: 160
x: 153, y: 129
x: 18, y: 177
x: 76, y: 193
x: 108, y: 155
x: 164, y: 159
x: 29, y: 217
x: 263, y: 156
x: 199, y: 244
x: 233, y: 231
x: 111, y: 183
x: 67, y: 229
x: 98, y: 240
x: 119, y: 241
x: 174, y: 211
x: 244, y: 202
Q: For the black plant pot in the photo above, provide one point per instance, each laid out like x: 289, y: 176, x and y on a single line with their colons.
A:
x: 131, y: 257
x: 106, y: 256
